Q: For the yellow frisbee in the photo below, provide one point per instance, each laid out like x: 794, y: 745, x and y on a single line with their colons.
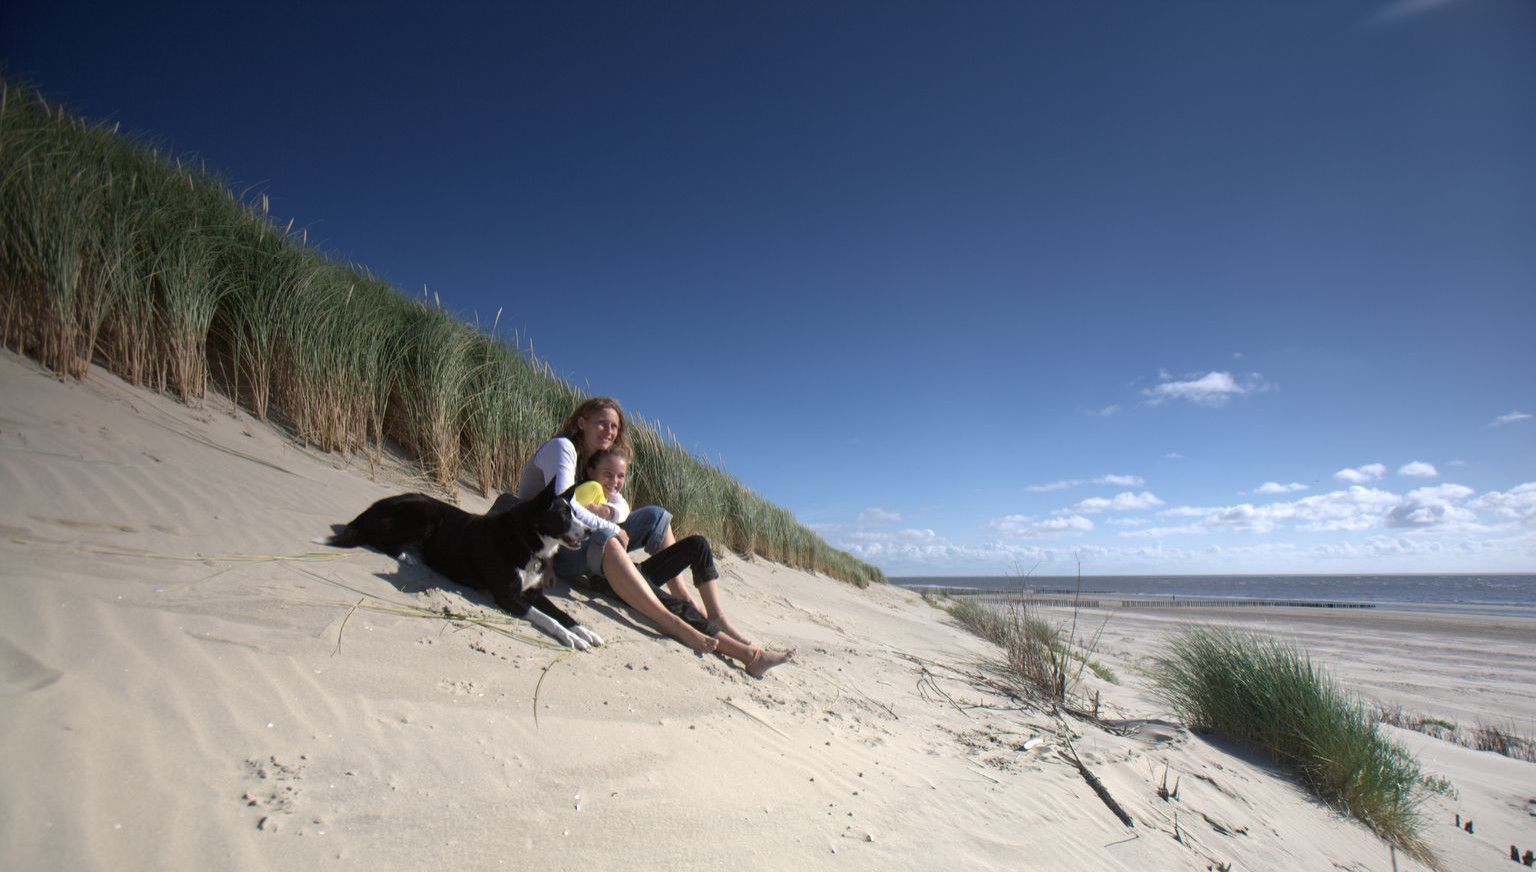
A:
x: 589, y: 493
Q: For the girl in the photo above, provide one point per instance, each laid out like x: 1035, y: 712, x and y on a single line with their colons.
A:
x: 598, y: 425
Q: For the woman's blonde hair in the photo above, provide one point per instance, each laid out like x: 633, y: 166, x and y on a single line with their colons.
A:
x: 571, y: 429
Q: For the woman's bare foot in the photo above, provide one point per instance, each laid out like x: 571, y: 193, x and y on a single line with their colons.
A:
x: 722, y: 626
x: 765, y: 659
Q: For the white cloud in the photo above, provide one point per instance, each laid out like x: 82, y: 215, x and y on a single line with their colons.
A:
x: 1214, y: 389
x: 1447, y: 492
x: 1122, y: 502
x: 1054, y: 486
x: 1358, y: 508
x: 1274, y: 487
x: 1066, y: 484
x: 1186, y: 512
x: 1433, y: 507
x: 874, y: 516
x: 1519, y: 503
x: 1363, y: 474
x: 1173, y: 455
x: 1245, y: 518
x: 1418, y: 469
x: 907, y: 535
x: 1027, y: 527
x: 1120, y: 480
x: 1164, y: 532
x: 1510, y: 418
x: 1104, y: 412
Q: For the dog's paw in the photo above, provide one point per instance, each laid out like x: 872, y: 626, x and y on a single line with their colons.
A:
x: 553, y: 628
x: 591, y: 637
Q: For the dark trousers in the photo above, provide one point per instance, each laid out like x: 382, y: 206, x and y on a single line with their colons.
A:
x: 691, y: 553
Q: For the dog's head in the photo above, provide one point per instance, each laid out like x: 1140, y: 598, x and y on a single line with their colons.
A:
x: 552, y: 516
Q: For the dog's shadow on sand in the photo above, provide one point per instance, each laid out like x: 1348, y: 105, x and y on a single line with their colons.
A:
x: 413, y: 576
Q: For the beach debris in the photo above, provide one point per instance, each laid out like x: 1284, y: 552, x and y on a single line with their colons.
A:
x: 1163, y: 792
x: 1458, y: 820
x: 1098, y: 786
x: 1030, y: 743
x: 1529, y: 858
x: 754, y: 716
x: 1468, y: 825
x: 1514, y: 853
x: 343, y: 626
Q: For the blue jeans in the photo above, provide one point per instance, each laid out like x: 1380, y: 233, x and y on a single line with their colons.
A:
x: 645, y: 526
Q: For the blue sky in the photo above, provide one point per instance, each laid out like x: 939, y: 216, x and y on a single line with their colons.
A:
x: 969, y: 287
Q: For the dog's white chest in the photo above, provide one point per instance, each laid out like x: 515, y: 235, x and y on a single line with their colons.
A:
x: 532, y: 573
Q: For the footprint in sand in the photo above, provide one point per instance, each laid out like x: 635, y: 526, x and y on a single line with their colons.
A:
x: 276, y: 791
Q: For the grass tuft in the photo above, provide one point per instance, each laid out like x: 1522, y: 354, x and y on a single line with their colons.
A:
x: 1503, y: 740
x: 1262, y: 692
x: 1039, y: 655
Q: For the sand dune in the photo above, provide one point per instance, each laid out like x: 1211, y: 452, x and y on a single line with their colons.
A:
x: 188, y: 682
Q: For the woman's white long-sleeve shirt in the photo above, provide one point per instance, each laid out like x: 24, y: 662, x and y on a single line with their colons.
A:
x: 556, y: 461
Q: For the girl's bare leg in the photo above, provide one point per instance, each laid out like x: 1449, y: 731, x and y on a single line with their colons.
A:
x: 634, y: 590
x: 710, y: 592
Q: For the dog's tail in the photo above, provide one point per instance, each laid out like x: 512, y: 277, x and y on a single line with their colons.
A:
x: 347, y: 538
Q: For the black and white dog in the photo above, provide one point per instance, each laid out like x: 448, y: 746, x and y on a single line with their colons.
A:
x: 504, y: 553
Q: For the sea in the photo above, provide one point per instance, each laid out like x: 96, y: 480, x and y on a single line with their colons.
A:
x: 1482, y: 593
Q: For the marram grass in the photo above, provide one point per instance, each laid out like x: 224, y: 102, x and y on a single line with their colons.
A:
x: 1262, y: 692
x: 113, y: 254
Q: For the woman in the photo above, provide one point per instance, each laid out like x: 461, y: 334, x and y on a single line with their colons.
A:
x: 597, y: 425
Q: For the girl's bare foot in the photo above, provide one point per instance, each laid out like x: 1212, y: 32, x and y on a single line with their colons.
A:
x: 763, y: 660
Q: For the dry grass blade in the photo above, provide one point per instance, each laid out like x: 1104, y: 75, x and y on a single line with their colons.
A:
x: 754, y: 716
x: 537, y: 687
x: 309, y: 557
x: 343, y: 627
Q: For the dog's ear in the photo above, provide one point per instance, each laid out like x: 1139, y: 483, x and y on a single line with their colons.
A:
x: 568, y: 491
x: 547, y: 495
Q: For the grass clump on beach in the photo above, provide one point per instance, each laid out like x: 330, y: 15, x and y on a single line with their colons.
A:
x: 1036, y: 653
x: 114, y: 254
x: 1263, y: 692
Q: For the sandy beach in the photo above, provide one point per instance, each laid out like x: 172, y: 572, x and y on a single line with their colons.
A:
x: 190, y: 682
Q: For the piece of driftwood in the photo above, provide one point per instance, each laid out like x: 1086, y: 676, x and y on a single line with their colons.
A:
x: 1096, y: 784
